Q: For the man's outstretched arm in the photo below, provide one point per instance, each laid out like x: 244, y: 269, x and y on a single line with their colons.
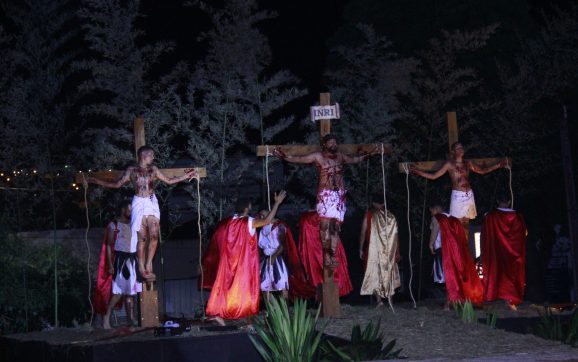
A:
x: 430, y: 176
x: 485, y: 170
x: 113, y: 185
x: 310, y: 158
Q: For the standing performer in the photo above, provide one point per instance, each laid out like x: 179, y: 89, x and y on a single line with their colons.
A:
x: 145, y: 217
x: 504, y: 254
x: 462, y: 203
x: 379, y: 233
x: 235, y: 292
x: 123, y: 268
x: 104, y: 275
x: 453, y: 263
x: 331, y: 193
x: 311, y: 253
x: 272, y: 242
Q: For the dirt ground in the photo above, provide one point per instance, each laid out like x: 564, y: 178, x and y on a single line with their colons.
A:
x: 429, y: 333
x: 425, y: 333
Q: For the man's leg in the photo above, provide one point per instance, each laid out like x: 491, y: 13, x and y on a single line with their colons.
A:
x: 140, y: 250
x: 106, y: 319
x: 466, y: 225
x: 153, y: 226
x: 326, y: 241
x: 129, y: 306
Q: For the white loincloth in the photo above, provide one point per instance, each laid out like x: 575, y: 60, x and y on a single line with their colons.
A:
x: 463, y: 204
x: 141, y: 207
x: 331, y: 204
x: 273, y: 277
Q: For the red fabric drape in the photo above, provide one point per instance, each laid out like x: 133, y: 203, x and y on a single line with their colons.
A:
x: 210, y: 261
x: 462, y: 280
x: 235, y: 292
x: 311, y: 253
x: 103, y: 290
x: 503, y: 255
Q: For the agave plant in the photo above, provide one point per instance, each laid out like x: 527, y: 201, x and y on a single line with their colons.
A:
x: 285, y: 337
x: 465, y: 311
x: 554, y: 328
x: 364, y: 346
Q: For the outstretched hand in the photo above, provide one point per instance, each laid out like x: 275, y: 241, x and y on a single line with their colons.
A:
x: 278, y: 153
x: 505, y: 163
x: 191, y: 173
x: 279, y: 197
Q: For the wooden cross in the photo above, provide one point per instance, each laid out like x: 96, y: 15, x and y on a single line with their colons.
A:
x: 139, y: 141
x: 329, y: 291
x: 431, y: 166
x: 148, y: 300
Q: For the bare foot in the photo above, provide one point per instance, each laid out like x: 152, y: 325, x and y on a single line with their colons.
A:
x: 106, y: 323
x: 220, y: 321
x: 511, y: 306
x: 379, y: 305
x: 447, y: 306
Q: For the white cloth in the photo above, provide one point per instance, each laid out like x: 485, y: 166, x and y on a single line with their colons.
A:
x: 331, y: 204
x: 273, y: 277
x: 463, y: 204
x: 249, y: 224
x: 124, y: 281
x: 141, y: 207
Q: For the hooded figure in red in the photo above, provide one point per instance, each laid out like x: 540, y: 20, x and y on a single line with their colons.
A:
x: 453, y: 263
x: 503, y: 254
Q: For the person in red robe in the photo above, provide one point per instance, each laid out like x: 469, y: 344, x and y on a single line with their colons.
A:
x: 210, y: 260
x: 448, y: 244
x: 103, y: 300
x: 235, y: 292
x: 311, y: 252
x: 503, y: 242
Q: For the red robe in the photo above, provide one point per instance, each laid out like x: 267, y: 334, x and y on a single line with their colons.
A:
x: 299, y: 286
x: 235, y: 292
x: 103, y: 290
x: 366, y: 243
x: 462, y: 280
x: 311, y: 253
x: 210, y: 261
x: 503, y: 255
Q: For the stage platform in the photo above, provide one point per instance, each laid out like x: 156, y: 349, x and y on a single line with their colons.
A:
x: 123, y: 345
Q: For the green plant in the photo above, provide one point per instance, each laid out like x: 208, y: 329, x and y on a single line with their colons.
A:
x: 465, y: 311
x: 285, y: 337
x: 491, y: 319
x: 554, y: 328
x: 364, y: 346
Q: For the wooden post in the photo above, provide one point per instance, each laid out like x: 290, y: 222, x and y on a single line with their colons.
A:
x: 324, y: 124
x: 139, y: 134
x: 452, y: 129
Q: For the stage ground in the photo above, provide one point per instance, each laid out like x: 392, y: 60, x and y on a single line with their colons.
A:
x: 425, y: 333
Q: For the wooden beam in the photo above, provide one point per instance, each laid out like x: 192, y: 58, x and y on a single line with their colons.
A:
x: 452, y: 129
x: 114, y: 175
x: 301, y: 150
x: 139, y: 134
x: 324, y: 124
x: 432, y: 166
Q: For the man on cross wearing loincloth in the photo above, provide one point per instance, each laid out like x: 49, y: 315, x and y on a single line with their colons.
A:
x: 145, y: 216
x: 331, y: 193
x: 462, y: 205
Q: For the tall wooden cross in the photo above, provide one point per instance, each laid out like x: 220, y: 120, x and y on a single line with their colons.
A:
x: 139, y: 141
x: 432, y: 166
x: 149, y: 307
x: 329, y: 291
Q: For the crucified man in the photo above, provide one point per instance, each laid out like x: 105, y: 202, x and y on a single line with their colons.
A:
x: 145, y: 216
x: 331, y: 193
x: 462, y: 204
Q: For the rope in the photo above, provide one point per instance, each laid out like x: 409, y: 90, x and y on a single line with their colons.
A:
x: 267, y: 177
x: 385, y: 214
x: 200, y: 242
x: 511, y: 190
x: 85, y: 186
x: 406, y: 170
